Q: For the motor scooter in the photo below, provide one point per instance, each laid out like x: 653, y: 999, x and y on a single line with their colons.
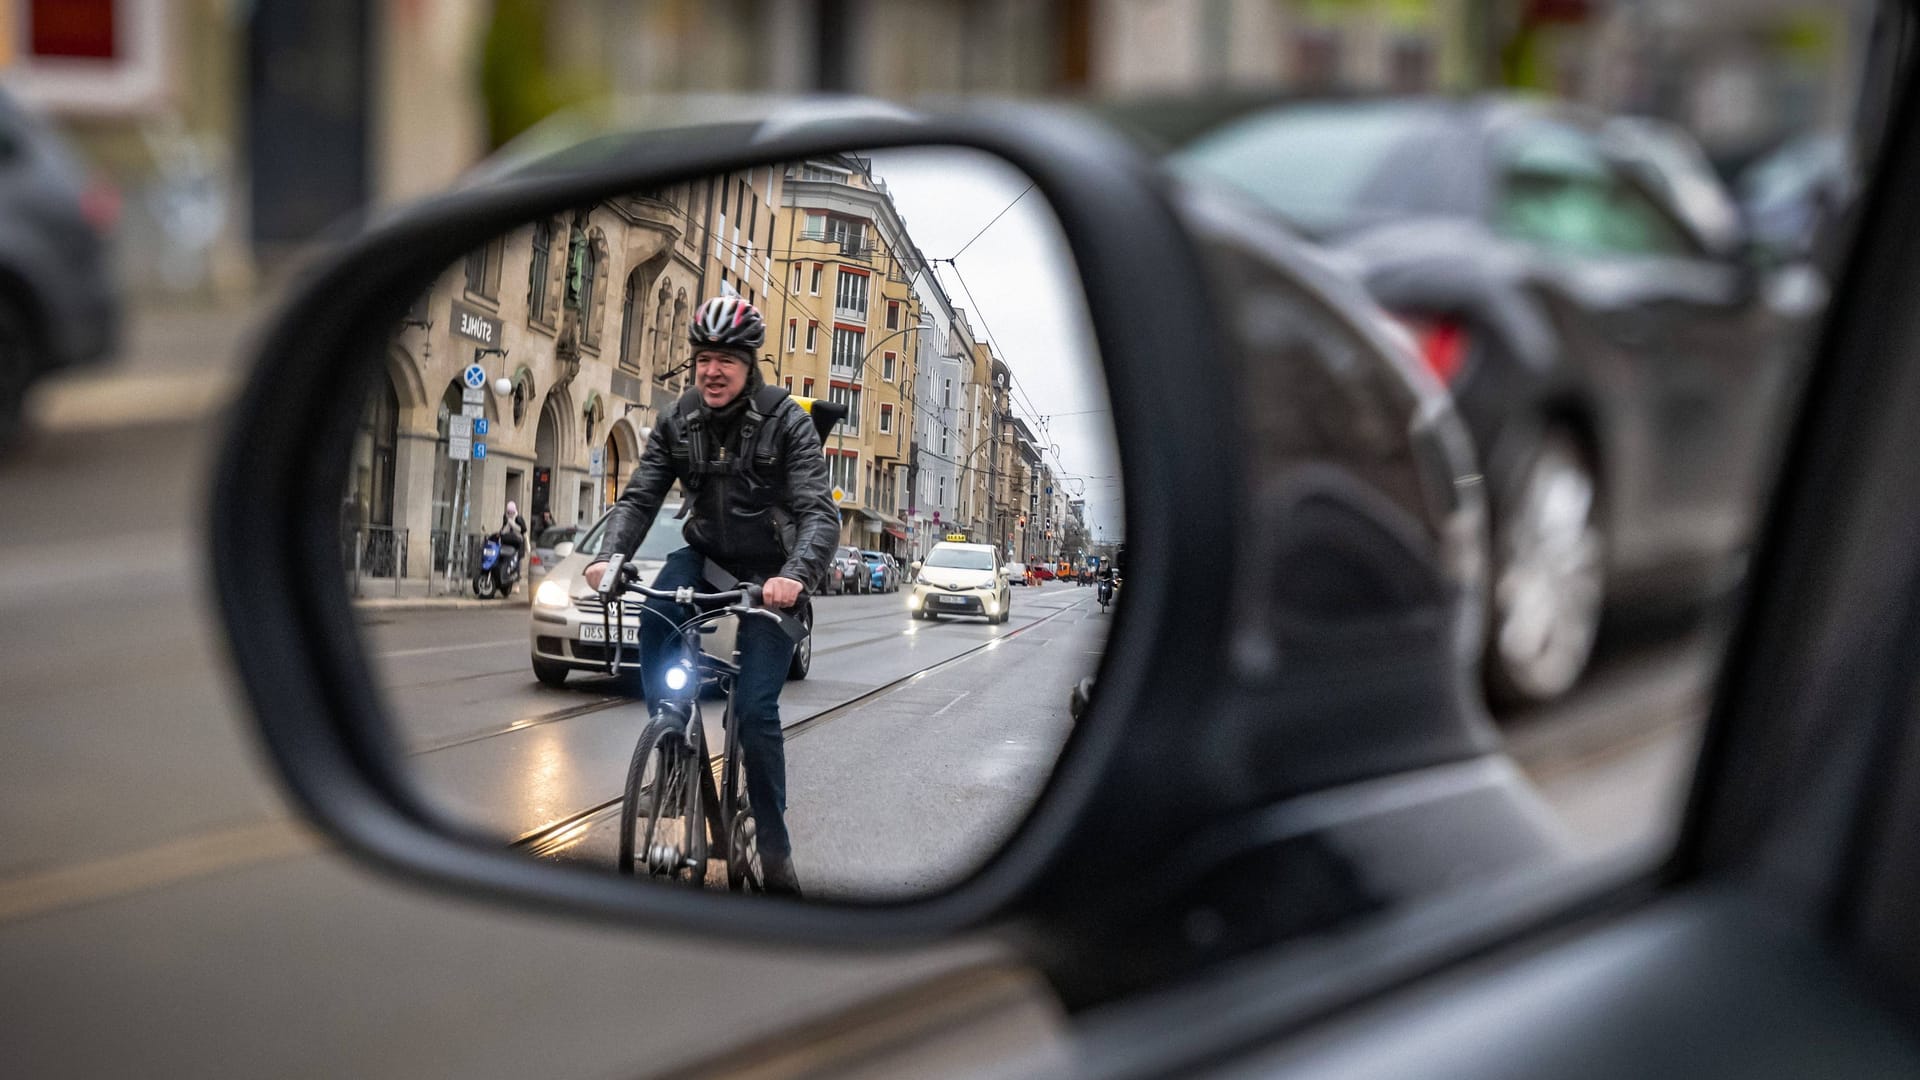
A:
x: 498, y: 571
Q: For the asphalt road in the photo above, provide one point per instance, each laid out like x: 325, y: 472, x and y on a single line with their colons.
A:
x: 164, y: 912
x: 915, y: 747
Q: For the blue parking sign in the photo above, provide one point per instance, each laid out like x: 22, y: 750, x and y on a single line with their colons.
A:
x: 479, y: 451
x: 479, y: 425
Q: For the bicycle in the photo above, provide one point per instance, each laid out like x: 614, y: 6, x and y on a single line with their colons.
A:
x: 672, y: 818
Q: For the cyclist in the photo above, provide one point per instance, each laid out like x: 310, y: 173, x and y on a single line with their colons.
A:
x: 759, y: 506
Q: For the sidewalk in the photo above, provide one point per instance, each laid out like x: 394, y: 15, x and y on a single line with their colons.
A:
x: 378, y: 594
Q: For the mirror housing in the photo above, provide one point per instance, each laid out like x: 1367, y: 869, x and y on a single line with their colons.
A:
x: 563, y: 549
x: 295, y: 641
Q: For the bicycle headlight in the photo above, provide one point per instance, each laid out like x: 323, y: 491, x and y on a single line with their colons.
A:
x: 678, y: 677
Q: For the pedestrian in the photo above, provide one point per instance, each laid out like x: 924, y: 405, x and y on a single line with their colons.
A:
x: 759, y: 505
x: 513, y: 530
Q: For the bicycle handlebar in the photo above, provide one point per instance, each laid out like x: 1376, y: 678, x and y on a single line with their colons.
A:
x: 622, y: 576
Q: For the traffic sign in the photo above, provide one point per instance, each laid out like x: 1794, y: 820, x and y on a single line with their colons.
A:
x: 473, y: 395
x: 479, y: 451
x: 459, y: 448
x: 480, y: 425
x: 596, y: 463
x: 475, y: 377
x: 472, y: 409
x: 838, y: 495
x: 460, y: 427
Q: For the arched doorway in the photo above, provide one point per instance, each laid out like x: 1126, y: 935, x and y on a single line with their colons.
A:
x: 546, y: 454
x: 369, y: 544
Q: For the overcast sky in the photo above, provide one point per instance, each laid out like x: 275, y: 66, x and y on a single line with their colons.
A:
x: 1025, y: 301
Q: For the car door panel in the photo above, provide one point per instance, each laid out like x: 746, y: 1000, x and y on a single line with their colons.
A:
x: 1705, y: 985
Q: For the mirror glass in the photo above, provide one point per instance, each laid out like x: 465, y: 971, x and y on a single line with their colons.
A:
x: 544, y: 409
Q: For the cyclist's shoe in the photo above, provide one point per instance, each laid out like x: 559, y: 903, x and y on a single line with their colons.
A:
x: 777, y: 872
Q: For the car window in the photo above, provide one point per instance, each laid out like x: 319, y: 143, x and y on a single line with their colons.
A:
x: 1327, y: 167
x: 960, y: 558
x: 1557, y: 189
x: 662, y: 540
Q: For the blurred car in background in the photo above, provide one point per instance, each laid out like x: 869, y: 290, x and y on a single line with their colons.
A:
x: 1017, y: 572
x: 547, y: 549
x: 1592, y: 301
x: 1796, y: 198
x: 883, y: 574
x: 849, y: 570
x: 59, y: 306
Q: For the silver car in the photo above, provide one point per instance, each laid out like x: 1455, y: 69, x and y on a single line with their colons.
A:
x: 569, y: 627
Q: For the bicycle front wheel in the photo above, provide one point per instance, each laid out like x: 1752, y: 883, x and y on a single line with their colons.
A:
x: 743, y: 847
x: 663, y: 830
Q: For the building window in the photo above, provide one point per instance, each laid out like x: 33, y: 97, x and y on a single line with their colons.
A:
x: 849, y: 233
x: 886, y: 419
x: 848, y: 396
x: 946, y: 395
x: 630, y: 323
x: 848, y: 348
x: 893, y: 314
x: 813, y: 335
x: 940, y: 489
x: 850, y: 300
x: 537, y: 271
x: 808, y: 387
x: 886, y: 366
x: 815, y: 227
x: 796, y: 277
x: 845, y: 470
x: 789, y: 384
x: 946, y: 435
x: 793, y: 334
x: 818, y: 269
x: 483, y: 269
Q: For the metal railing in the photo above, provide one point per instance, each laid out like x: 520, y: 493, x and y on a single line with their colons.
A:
x: 454, y: 554
x: 375, y: 553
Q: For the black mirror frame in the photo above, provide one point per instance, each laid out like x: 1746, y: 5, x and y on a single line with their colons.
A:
x: 276, y: 563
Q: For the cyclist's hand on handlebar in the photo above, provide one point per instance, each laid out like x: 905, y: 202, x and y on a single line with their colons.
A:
x: 594, y: 574
x: 781, y: 592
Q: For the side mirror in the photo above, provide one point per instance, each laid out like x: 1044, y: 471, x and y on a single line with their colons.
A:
x: 563, y: 549
x: 348, y: 724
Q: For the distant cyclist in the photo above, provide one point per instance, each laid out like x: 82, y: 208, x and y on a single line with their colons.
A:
x: 759, y: 505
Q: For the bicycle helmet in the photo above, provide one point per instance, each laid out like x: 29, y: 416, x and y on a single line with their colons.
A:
x: 729, y: 323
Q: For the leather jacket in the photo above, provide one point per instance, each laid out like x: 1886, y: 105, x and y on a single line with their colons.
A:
x: 762, y: 508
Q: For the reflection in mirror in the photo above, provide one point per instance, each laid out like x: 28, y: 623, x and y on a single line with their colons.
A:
x: 894, y: 402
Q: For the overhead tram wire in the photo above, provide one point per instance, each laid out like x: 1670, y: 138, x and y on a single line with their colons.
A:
x: 1032, y: 412
x: 989, y: 225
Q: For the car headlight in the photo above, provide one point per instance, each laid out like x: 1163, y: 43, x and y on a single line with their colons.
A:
x: 552, y: 595
x: 993, y: 606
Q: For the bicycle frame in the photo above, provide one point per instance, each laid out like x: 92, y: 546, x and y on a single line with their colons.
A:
x: 708, y: 671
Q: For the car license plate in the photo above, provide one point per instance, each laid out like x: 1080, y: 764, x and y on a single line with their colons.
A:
x: 629, y: 635
x: 955, y: 601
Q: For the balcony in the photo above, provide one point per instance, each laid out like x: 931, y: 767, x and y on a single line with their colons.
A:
x: 850, y: 314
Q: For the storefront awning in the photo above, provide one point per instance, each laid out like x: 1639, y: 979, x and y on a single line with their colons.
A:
x: 896, y: 533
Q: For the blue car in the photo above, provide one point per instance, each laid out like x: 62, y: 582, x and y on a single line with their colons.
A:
x: 883, y: 574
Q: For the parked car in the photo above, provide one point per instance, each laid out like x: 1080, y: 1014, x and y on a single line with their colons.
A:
x: 1018, y: 572
x: 568, y: 629
x: 963, y: 579
x: 552, y: 545
x: 883, y: 574
x: 1042, y: 572
x: 1621, y: 366
x: 849, y: 571
x: 59, y: 305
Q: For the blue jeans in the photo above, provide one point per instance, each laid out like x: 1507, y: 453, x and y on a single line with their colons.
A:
x: 765, y: 653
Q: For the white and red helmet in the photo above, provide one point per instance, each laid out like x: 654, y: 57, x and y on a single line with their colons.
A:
x: 730, y: 323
